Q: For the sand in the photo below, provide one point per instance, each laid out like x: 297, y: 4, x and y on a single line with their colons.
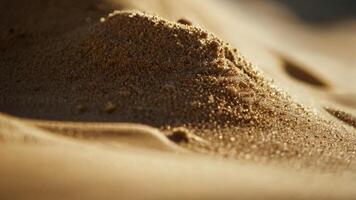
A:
x: 147, y: 101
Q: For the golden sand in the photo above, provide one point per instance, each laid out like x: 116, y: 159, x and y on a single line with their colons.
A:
x: 134, y: 83
x: 139, y: 68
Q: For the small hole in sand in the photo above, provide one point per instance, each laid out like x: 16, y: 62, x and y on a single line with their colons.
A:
x: 343, y: 116
x: 179, y: 136
x: 297, y: 72
x: 184, y: 21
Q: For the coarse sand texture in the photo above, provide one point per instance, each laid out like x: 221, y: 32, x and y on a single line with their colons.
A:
x: 199, y: 91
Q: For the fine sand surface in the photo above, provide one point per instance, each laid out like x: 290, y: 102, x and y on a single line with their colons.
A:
x: 163, y: 99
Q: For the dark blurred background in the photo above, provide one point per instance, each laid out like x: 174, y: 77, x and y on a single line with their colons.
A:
x: 322, y: 11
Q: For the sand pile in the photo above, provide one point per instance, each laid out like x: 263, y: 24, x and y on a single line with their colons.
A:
x: 167, y: 72
x: 136, y: 67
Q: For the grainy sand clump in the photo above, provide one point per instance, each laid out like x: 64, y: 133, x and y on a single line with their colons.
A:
x: 136, y: 67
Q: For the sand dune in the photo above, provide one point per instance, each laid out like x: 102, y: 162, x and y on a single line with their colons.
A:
x: 130, y: 104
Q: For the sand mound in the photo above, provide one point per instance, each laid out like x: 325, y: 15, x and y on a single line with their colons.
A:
x: 167, y: 72
x: 136, y: 67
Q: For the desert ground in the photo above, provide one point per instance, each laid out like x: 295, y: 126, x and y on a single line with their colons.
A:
x: 161, y: 99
